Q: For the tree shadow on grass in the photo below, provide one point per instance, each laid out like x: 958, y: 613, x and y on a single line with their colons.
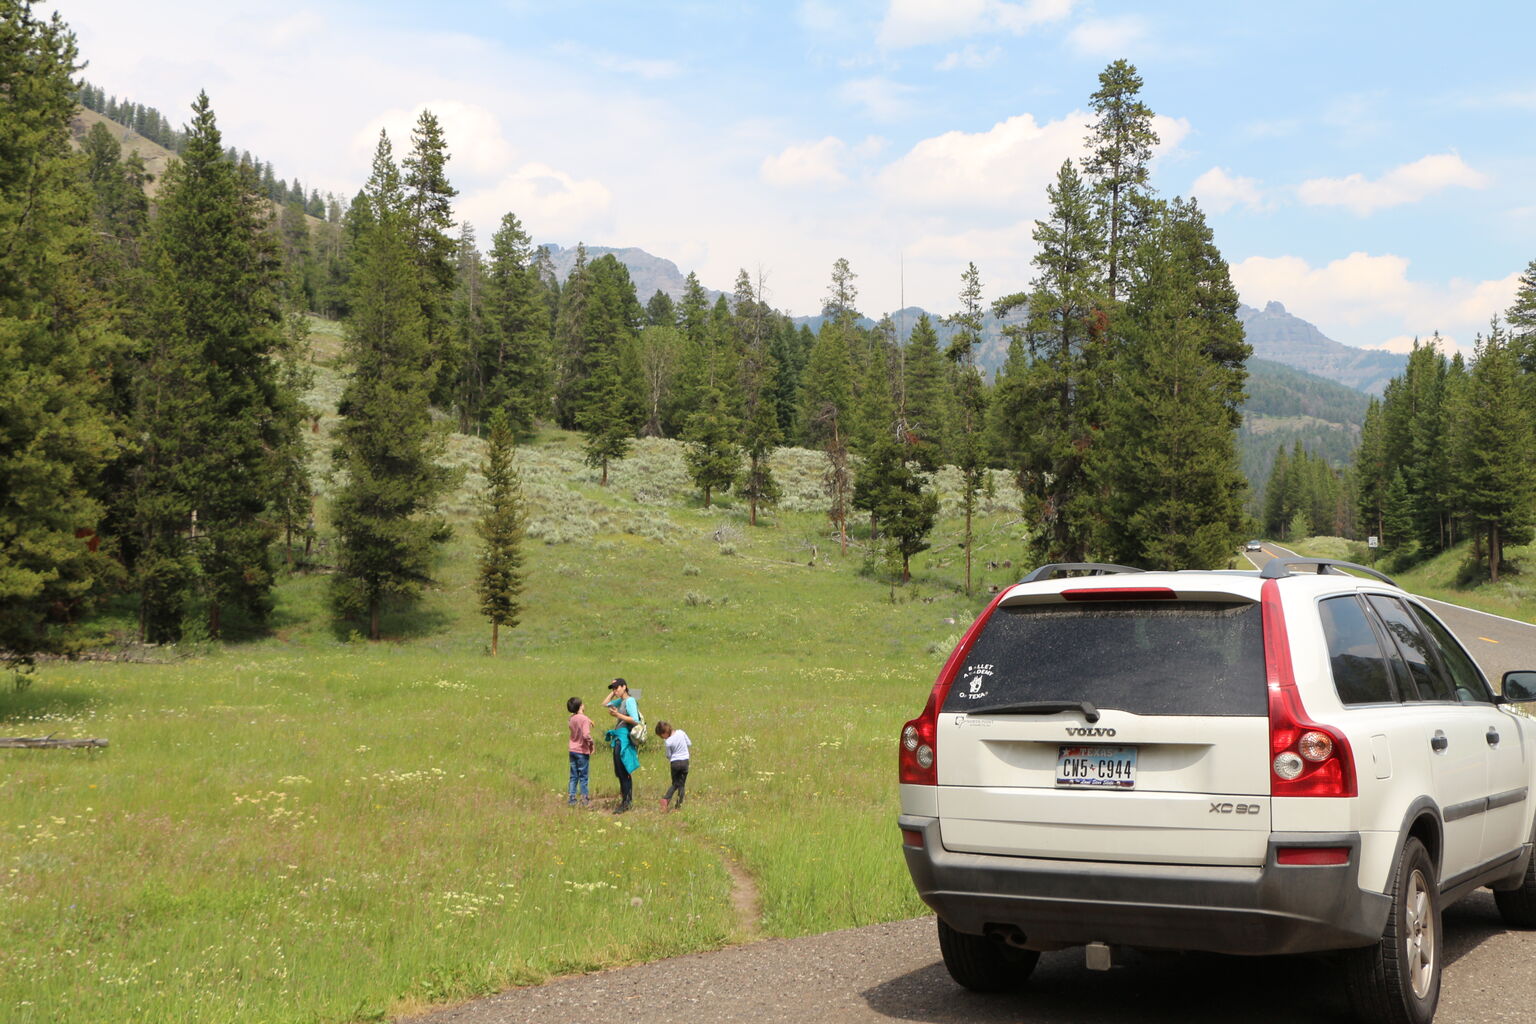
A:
x: 41, y: 707
x: 403, y: 622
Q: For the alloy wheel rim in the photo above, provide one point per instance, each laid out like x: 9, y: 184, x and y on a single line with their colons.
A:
x: 1420, y: 936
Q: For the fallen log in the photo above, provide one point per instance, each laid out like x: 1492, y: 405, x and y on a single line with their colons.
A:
x: 48, y: 741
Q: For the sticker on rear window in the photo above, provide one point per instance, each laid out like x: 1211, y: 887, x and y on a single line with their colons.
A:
x: 972, y: 680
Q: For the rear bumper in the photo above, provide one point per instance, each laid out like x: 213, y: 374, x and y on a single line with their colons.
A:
x: 1245, y: 910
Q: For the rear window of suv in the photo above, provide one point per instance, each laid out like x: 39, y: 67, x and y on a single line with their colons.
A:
x: 1145, y: 657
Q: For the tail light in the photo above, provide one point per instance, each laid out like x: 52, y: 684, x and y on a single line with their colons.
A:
x: 918, y: 753
x: 1306, y: 758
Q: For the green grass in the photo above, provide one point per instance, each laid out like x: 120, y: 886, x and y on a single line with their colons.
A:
x: 306, y: 827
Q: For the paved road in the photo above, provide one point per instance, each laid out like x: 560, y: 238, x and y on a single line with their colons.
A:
x: 892, y: 972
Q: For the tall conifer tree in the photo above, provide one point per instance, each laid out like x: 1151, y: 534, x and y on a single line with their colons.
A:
x: 216, y: 259
x: 387, y: 445
x: 1046, y: 398
x: 519, y: 333
x: 54, y: 437
x: 1120, y: 148
x: 501, y: 526
x: 1165, y: 465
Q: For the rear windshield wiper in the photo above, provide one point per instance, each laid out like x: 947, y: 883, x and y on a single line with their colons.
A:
x: 1042, y: 707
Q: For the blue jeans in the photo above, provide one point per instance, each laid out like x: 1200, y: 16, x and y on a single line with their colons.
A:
x: 579, y: 764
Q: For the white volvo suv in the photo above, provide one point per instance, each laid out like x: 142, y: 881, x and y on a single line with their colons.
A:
x: 1235, y: 762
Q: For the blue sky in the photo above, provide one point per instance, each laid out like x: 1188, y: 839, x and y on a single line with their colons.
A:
x: 1370, y: 165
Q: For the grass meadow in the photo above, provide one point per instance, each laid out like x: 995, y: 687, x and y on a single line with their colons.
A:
x: 308, y: 827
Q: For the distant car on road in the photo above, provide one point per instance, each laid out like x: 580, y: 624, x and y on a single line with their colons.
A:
x: 1259, y: 762
x: 1253, y: 545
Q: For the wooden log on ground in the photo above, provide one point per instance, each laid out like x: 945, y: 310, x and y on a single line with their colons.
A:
x: 48, y: 741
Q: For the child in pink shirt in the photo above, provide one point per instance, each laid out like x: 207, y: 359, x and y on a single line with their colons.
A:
x: 580, y: 751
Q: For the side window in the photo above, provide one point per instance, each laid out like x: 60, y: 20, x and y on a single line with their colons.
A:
x: 1360, y: 673
x: 1470, y: 685
x: 1423, y: 671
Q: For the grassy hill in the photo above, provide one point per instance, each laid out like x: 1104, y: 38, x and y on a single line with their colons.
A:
x: 156, y: 157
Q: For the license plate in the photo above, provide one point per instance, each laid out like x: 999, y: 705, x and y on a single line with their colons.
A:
x: 1096, y: 768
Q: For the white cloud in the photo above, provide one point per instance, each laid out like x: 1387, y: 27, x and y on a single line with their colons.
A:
x: 1007, y: 166
x: 549, y: 202
x: 922, y: 22
x: 971, y: 58
x: 1408, y: 183
x: 1219, y: 191
x: 881, y: 98
x: 808, y: 163
x: 1361, y: 298
x: 1108, y: 37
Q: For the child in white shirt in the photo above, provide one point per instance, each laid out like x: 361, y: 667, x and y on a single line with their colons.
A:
x: 678, y: 746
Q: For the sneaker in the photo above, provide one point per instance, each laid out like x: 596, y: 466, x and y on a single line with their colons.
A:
x: 621, y: 808
x: 663, y: 805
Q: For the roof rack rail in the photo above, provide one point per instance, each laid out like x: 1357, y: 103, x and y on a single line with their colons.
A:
x: 1046, y: 572
x: 1276, y: 568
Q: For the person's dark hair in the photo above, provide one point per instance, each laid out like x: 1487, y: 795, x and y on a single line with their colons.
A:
x: 573, y: 705
x: 663, y: 729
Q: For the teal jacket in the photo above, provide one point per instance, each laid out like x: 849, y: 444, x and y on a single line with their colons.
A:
x: 619, y: 738
x: 620, y: 741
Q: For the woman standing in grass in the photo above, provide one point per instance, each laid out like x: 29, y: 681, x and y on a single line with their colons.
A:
x: 626, y: 759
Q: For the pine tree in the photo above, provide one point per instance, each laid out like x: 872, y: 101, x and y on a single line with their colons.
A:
x: 967, y: 442
x: 468, y: 344
x: 1046, y: 398
x: 1120, y: 145
x: 695, y: 358
x: 1372, y: 474
x: 501, y: 526
x: 54, y: 437
x: 660, y: 310
x: 1496, y: 480
x: 712, y: 455
x: 385, y: 512
x: 890, y: 487
x: 216, y: 258
x: 1397, y: 515
x: 927, y: 408
x: 515, y: 314
x: 428, y: 208
x: 293, y: 494
x: 570, y: 371
x: 837, y: 481
x: 1166, y: 461
x: 759, y: 405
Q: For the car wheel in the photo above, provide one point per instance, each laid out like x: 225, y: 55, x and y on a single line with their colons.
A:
x: 1397, y: 980
x: 1517, y: 906
x: 984, y: 964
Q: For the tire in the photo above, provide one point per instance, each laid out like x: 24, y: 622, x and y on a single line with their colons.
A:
x: 982, y: 964
x: 1517, y: 906
x: 1397, y: 980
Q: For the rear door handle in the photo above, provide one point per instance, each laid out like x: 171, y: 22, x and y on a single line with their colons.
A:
x: 1438, y: 742
x: 1492, y: 737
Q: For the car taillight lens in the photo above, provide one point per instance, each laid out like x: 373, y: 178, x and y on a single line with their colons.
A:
x: 1306, y: 758
x: 918, y: 753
